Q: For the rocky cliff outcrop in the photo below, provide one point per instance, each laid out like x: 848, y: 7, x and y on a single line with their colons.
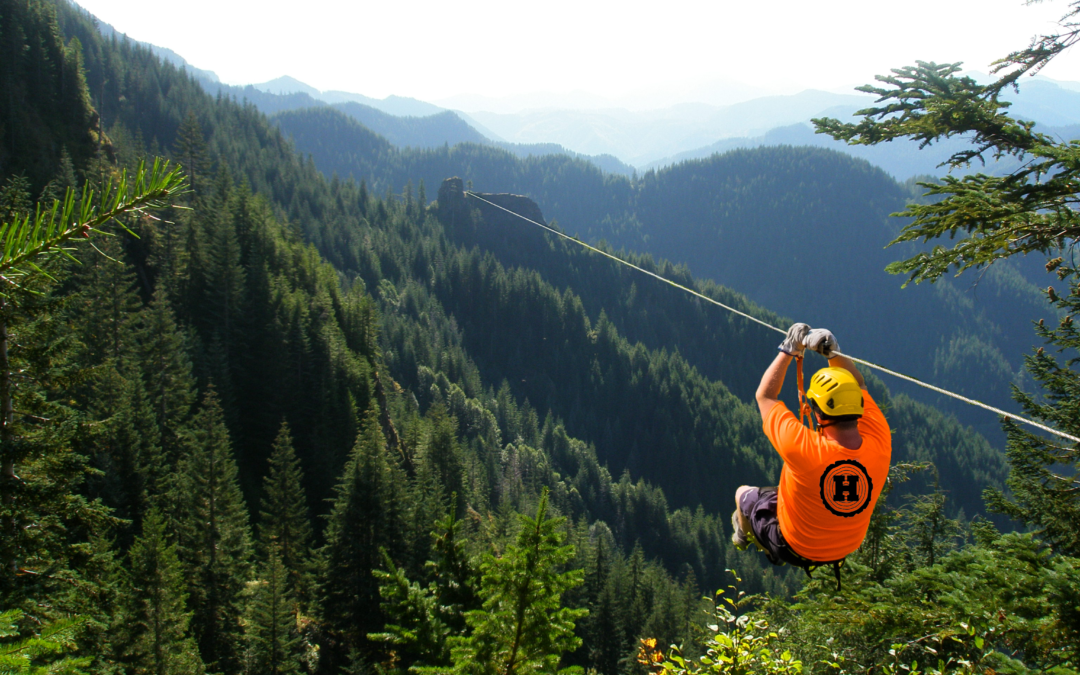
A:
x: 452, y: 198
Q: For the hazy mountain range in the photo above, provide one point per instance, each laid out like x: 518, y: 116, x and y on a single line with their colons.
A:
x: 619, y: 135
x: 646, y: 139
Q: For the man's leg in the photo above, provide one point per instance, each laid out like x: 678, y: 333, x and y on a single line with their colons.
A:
x: 739, y: 522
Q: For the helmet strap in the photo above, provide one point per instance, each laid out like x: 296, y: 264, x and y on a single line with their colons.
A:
x: 822, y: 424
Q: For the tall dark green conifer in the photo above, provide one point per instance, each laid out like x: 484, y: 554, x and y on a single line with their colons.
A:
x: 166, y: 370
x: 226, y: 276
x: 46, y: 519
x: 421, y: 620
x: 1046, y: 471
x: 443, y: 455
x: 603, y: 627
x: 930, y: 533
x: 415, y: 633
x: 191, y: 151
x: 122, y: 446
x: 214, y: 540
x: 456, y: 578
x: 106, y: 308
x: 156, y: 619
x: 273, y: 643
x: 284, y: 521
x: 366, y: 515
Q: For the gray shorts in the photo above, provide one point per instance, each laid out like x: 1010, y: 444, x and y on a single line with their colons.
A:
x: 759, y: 507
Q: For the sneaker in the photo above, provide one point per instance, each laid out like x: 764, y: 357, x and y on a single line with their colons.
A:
x: 739, y: 538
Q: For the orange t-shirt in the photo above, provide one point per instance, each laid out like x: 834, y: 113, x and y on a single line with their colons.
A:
x: 827, y: 492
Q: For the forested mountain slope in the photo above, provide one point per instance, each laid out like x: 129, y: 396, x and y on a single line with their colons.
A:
x: 214, y: 372
x: 803, y: 230
x: 776, y: 223
x: 45, y: 112
x: 253, y: 150
x: 241, y: 141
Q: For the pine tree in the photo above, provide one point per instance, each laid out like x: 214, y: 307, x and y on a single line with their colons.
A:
x: 140, y: 429
x: 284, y: 523
x: 192, y: 153
x: 273, y: 643
x: 1045, y: 471
x: 442, y: 454
x: 421, y: 620
x: 455, y: 578
x: 415, y: 633
x: 606, y: 640
x: 225, y: 276
x: 106, y: 308
x: 118, y: 449
x: 166, y: 371
x: 930, y: 533
x: 521, y: 628
x: 214, y: 540
x: 366, y: 516
x: 603, y: 627
x: 156, y: 618
x: 46, y: 520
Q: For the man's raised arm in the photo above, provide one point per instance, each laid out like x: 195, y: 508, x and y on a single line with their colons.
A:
x: 768, y: 392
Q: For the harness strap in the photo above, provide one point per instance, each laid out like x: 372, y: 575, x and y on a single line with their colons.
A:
x: 810, y: 565
x: 805, y: 412
x: 835, y: 565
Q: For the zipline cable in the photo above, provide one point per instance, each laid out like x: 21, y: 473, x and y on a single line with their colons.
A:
x: 756, y: 320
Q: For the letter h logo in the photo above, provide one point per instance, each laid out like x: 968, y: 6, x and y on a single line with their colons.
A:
x: 847, y: 488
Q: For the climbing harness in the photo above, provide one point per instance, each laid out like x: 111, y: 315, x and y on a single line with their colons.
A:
x: 868, y: 364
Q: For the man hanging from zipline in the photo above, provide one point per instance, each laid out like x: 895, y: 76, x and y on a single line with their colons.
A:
x: 832, y: 477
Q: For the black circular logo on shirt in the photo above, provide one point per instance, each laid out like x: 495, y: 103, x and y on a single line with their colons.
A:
x: 846, y: 488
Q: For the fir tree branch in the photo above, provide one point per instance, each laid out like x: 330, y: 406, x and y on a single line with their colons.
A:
x: 25, y: 239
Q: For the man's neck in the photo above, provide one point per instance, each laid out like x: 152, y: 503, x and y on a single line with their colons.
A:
x: 846, y: 436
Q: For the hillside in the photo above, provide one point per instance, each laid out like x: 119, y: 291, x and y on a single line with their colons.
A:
x: 685, y: 341
x: 229, y: 375
x: 292, y: 423
x: 417, y: 132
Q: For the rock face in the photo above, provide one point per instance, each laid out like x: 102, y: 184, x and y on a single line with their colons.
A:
x: 452, y: 198
x: 516, y: 203
x: 452, y: 194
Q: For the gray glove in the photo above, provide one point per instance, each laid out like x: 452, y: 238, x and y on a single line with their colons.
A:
x: 822, y: 341
x: 794, y: 343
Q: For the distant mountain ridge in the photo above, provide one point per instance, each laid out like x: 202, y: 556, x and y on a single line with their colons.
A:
x: 435, y: 130
x: 640, y: 138
x: 1054, y: 106
x: 399, y: 106
x: 656, y: 138
x: 902, y: 159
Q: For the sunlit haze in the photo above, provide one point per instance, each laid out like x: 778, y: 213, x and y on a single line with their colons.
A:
x: 639, y: 54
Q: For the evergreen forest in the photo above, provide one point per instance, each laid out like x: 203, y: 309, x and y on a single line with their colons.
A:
x: 303, y: 406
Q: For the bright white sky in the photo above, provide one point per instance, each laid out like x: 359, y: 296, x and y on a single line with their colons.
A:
x: 432, y: 49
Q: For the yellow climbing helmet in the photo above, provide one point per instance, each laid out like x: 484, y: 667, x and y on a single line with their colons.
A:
x: 835, y: 392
